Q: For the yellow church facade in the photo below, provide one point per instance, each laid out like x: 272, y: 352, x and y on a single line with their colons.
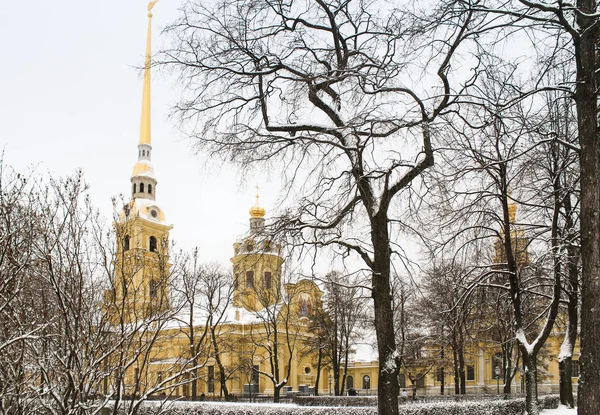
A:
x: 260, y: 343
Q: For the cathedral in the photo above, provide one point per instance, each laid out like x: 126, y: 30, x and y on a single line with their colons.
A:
x: 259, y: 343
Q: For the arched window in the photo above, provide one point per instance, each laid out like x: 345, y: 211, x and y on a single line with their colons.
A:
x: 134, y: 188
x: 250, y: 279
x: 349, y: 382
x: 153, y: 247
x: 150, y: 189
x: 126, y: 243
x: 141, y: 187
x: 366, y: 382
x: 268, y: 282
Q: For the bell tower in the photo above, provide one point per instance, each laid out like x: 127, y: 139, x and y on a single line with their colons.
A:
x: 142, y: 265
x: 257, y: 265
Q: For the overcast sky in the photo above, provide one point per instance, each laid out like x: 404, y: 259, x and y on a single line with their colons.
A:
x: 70, y: 97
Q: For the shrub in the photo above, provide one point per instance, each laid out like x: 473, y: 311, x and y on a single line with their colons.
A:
x: 339, y: 405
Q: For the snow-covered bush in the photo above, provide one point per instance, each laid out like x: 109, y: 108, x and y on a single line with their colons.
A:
x: 222, y: 408
x: 336, y: 400
x: 481, y: 407
x: 549, y: 401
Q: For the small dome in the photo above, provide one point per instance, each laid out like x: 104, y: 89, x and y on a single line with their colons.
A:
x: 256, y: 211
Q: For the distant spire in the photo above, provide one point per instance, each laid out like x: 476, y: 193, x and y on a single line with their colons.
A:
x: 145, y: 131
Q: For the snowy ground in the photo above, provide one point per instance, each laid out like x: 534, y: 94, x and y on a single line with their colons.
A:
x: 561, y: 410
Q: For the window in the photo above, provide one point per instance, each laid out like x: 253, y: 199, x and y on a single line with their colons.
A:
x: 141, y: 187
x: 154, y: 286
x: 366, y: 382
x: 249, y: 279
x: 420, y: 380
x: 497, y: 366
x: 254, y: 375
x: 304, y: 309
x: 470, y: 372
x: 210, y: 379
x: 575, y: 368
x: 126, y: 243
x: 349, y: 382
x: 402, y: 380
x: 268, y: 282
x: 236, y: 281
x: 150, y: 189
x: 439, y: 376
x: 159, y: 377
x: 134, y: 187
x: 153, y: 244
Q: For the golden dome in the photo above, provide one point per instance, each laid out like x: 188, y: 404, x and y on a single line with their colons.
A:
x: 257, y: 211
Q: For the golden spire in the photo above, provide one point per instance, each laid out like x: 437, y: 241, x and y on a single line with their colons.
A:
x: 145, y: 121
x: 256, y: 211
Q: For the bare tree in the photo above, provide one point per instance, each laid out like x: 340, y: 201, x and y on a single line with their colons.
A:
x: 275, y: 334
x: 205, y: 293
x: 489, y: 155
x: 19, y: 319
x: 553, y: 26
x: 450, y: 314
x: 325, y: 89
x: 343, y: 314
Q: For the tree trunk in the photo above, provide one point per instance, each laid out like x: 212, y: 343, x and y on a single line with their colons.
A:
x: 387, y: 388
x: 588, y: 398
x: 319, y: 362
x: 222, y: 374
x: 565, y: 368
x: 508, y: 367
x: 456, y: 372
x: 566, y: 386
x: 531, y: 398
x: 461, y: 371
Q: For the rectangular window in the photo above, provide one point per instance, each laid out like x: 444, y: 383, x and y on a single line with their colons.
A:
x: 210, y: 379
x: 268, y: 280
x: 249, y: 279
x: 254, y: 375
x: 575, y: 368
x: 470, y: 372
x: 236, y: 281
x: 159, y: 378
x: 440, y: 374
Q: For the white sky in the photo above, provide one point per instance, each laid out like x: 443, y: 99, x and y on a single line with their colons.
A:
x: 70, y: 97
